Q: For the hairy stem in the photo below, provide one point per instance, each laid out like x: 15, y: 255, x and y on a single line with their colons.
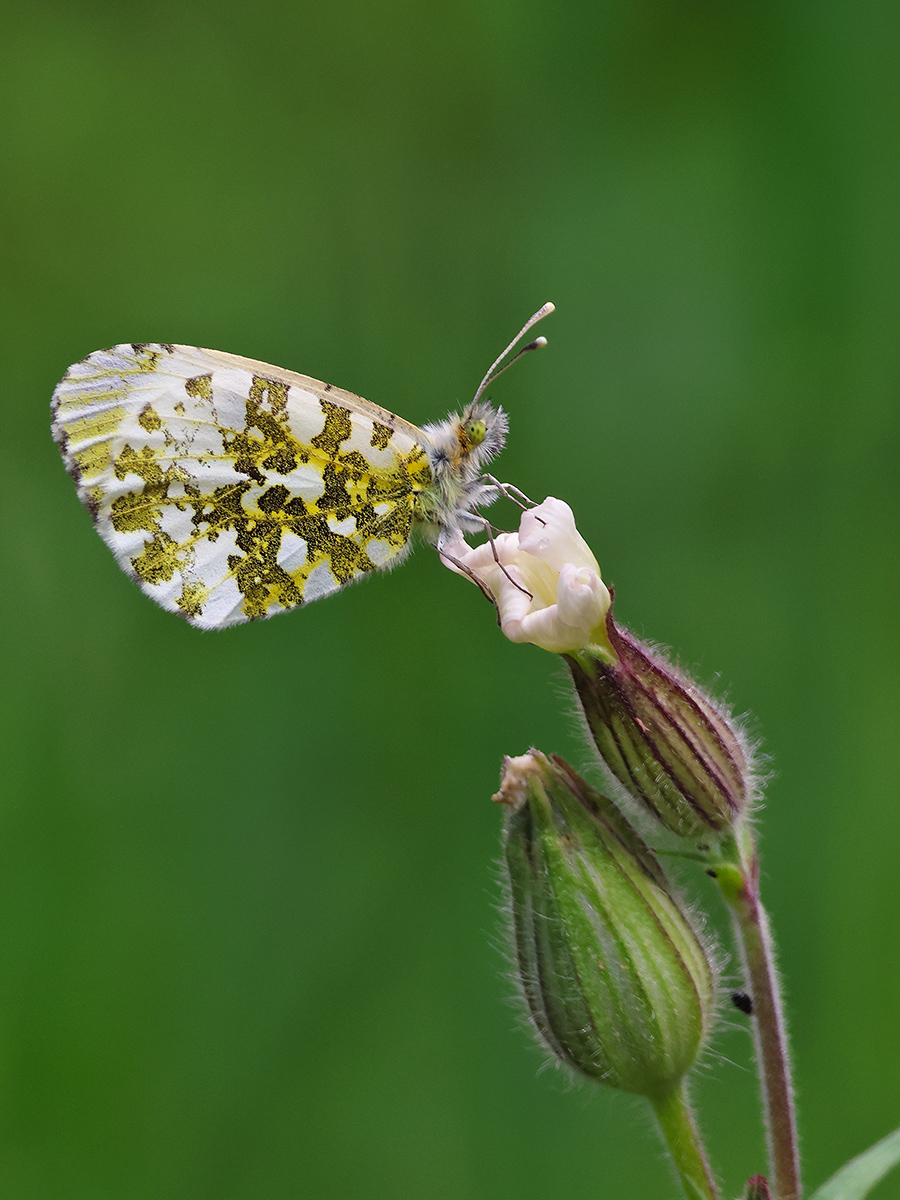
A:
x: 739, y: 882
x: 682, y: 1138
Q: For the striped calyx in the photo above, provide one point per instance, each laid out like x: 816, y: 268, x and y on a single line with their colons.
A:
x: 669, y: 745
x: 617, y: 982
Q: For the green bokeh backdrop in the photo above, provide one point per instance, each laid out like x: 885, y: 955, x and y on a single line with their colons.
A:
x: 248, y: 890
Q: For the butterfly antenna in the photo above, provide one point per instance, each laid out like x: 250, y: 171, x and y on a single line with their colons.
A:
x: 493, y: 373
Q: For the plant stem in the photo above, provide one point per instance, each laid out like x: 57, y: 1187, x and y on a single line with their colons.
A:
x: 741, y: 890
x: 682, y: 1138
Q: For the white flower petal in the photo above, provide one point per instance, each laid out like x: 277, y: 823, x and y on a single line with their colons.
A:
x: 545, y: 580
x: 548, y: 532
x: 583, y: 598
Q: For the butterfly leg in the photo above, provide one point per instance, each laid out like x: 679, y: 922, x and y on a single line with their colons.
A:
x: 511, y: 492
x: 489, y: 529
x: 470, y: 574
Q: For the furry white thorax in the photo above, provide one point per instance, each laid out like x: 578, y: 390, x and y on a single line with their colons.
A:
x: 448, y: 508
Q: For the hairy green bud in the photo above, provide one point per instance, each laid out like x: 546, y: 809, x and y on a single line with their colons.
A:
x: 617, y: 981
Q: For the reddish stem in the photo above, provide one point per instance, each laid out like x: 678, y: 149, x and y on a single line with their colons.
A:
x: 769, y: 1028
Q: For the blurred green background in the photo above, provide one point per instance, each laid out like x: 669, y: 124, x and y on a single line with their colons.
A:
x: 248, y: 894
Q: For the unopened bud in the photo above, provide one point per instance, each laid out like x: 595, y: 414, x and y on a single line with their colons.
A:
x: 667, y: 743
x: 757, y: 1189
x: 617, y: 981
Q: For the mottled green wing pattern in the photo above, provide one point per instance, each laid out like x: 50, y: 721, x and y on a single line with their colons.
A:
x: 232, y: 490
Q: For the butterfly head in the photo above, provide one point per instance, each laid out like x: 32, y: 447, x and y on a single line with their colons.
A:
x: 460, y: 447
x: 465, y: 442
x: 481, y: 433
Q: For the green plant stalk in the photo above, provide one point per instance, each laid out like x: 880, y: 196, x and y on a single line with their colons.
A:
x: 682, y: 1138
x: 739, y: 882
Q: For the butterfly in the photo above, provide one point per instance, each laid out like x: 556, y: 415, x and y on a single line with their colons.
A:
x: 231, y: 490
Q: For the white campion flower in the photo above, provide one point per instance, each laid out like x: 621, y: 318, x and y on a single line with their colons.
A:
x: 545, y: 580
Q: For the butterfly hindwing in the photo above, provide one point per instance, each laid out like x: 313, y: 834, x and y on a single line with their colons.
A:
x: 231, y: 489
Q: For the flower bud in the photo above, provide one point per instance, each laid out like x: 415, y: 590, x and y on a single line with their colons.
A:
x: 617, y: 982
x: 757, y: 1189
x: 669, y: 745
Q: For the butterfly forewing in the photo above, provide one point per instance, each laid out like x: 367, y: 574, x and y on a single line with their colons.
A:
x: 231, y: 489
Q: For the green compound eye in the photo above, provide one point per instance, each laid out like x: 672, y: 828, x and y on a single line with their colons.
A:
x: 475, y: 431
